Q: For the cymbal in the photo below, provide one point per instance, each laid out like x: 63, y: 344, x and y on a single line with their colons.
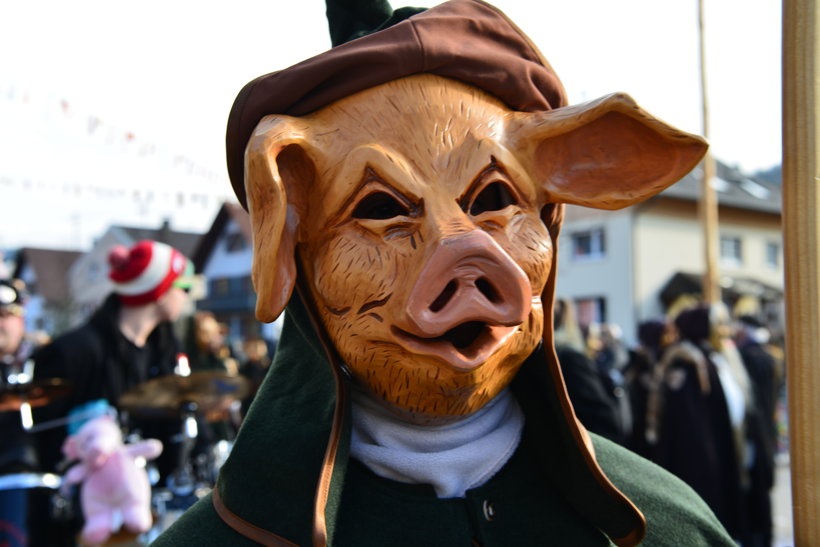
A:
x: 36, y: 393
x: 167, y: 396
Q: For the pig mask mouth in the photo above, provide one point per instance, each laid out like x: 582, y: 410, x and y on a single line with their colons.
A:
x: 465, y: 346
x: 469, y: 298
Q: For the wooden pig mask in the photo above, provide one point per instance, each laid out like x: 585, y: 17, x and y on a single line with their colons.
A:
x: 415, y: 211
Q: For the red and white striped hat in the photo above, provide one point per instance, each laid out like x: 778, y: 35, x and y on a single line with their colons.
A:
x: 147, y: 270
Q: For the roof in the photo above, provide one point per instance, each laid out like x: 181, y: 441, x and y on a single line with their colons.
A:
x: 228, y: 211
x: 50, y: 267
x: 184, y: 242
x: 733, y: 189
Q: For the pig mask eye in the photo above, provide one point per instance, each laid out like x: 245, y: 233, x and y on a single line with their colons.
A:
x: 494, y: 197
x: 379, y: 206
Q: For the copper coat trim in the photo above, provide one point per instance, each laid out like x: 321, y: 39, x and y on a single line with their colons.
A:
x: 577, y: 430
x: 320, y: 535
x: 245, y: 528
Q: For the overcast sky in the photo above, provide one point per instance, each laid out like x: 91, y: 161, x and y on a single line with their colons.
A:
x: 115, y: 111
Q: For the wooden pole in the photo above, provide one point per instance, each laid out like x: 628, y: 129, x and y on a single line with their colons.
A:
x: 801, y: 228
x: 707, y: 206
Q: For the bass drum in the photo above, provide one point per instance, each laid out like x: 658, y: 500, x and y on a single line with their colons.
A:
x: 25, y: 500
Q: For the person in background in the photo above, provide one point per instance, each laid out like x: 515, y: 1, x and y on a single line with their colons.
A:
x: 127, y: 341
x: 642, y: 379
x: 17, y: 453
x: 206, y: 345
x: 701, y: 408
x: 208, y: 351
x: 752, y: 343
x: 254, y: 367
x: 611, y: 358
x: 594, y: 407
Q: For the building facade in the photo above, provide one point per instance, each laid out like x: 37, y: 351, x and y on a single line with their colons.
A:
x: 627, y: 266
x: 50, y: 308
x: 225, y: 257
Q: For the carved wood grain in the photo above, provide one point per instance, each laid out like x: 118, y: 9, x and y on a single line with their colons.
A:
x: 801, y: 231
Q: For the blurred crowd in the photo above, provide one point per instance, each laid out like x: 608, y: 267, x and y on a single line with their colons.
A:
x: 699, y: 395
x: 162, y: 372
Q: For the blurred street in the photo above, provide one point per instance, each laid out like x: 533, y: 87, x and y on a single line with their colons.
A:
x: 782, y: 504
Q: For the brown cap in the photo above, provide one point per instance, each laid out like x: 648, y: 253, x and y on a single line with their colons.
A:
x: 466, y: 40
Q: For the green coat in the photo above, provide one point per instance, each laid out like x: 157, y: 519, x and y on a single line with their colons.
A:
x: 541, y: 497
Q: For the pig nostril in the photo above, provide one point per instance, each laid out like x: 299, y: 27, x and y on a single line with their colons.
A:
x: 486, y: 288
x: 445, y: 296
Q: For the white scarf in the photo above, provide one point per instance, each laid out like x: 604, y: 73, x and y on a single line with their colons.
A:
x: 453, y: 458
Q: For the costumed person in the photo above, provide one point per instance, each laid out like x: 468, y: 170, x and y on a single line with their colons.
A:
x: 752, y: 340
x: 206, y: 344
x: 254, y: 366
x: 405, y: 190
x: 17, y: 454
x: 207, y: 351
x: 611, y: 358
x: 699, y: 408
x: 643, y: 380
x: 594, y: 407
x: 739, y: 393
x: 128, y: 340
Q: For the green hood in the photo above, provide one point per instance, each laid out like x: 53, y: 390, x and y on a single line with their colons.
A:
x: 273, y: 471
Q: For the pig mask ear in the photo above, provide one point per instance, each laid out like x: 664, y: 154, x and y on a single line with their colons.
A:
x: 277, y: 170
x: 606, y: 154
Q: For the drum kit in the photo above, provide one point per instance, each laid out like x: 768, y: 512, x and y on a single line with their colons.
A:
x: 189, y: 399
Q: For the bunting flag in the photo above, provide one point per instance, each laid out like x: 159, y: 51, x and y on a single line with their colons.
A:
x: 45, y: 108
x: 85, y: 172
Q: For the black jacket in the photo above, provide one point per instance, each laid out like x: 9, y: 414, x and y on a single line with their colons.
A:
x: 594, y: 406
x: 696, y: 441
x: 100, y: 363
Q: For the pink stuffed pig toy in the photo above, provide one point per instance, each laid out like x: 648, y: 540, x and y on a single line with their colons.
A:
x: 113, y: 484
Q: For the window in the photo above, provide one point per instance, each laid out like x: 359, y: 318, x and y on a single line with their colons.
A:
x: 731, y: 251
x: 220, y: 286
x: 235, y: 242
x: 588, y: 245
x: 247, y: 284
x: 773, y: 254
x: 590, y: 310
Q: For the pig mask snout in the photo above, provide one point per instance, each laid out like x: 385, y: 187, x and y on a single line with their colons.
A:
x: 469, y: 296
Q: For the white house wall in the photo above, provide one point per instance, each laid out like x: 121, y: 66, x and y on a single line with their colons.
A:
x: 221, y: 263
x: 668, y: 239
x: 755, y: 233
x: 665, y: 243
x: 608, y: 277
